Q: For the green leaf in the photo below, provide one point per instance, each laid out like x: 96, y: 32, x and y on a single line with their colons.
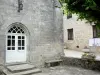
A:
x: 86, y: 8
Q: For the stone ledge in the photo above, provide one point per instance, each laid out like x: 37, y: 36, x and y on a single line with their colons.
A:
x: 52, y: 63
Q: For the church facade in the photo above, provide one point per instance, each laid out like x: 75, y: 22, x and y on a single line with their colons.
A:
x: 31, y: 31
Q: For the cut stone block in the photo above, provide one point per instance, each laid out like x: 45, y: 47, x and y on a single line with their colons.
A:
x: 22, y: 67
x: 29, y: 72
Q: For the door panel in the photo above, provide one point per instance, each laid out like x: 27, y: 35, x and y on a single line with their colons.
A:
x: 16, y: 48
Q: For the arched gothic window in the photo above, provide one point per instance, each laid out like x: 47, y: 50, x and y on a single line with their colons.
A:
x: 16, y: 29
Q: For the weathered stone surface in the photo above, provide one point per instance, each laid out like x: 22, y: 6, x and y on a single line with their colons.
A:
x: 67, y: 70
x: 43, y: 21
x: 88, y: 64
x: 82, y: 32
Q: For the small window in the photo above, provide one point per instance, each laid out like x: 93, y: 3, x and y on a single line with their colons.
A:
x: 94, y: 32
x: 69, y: 15
x: 70, y: 34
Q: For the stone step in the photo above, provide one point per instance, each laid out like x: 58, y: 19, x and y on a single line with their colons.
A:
x: 19, y: 68
x: 28, y: 72
x: 15, y: 63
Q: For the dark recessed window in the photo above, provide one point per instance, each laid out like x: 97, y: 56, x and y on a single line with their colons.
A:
x: 96, y: 31
x: 70, y: 34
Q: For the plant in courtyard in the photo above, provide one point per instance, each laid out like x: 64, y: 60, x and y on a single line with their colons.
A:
x: 87, y: 55
x: 89, y: 58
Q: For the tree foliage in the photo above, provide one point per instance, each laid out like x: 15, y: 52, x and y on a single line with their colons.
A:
x: 86, y: 9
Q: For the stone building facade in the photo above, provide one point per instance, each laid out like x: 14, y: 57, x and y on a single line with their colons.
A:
x: 30, y: 31
x: 81, y: 33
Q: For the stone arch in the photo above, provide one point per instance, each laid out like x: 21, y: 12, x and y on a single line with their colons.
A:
x: 18, y: 24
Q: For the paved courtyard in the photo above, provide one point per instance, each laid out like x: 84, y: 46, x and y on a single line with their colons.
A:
x: 67, y: 70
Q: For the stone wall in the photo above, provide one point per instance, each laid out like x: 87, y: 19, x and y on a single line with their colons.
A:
x: 87, y: 64
x: 44, y: 22
x: 82, y: 32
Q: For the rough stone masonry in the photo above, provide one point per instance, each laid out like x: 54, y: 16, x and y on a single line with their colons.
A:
x: 42, y: 22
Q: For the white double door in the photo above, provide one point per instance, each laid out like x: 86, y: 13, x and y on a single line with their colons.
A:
x: 16, y: 48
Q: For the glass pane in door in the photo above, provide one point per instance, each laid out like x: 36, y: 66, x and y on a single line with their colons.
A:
x: 21, y: 42
x: 10, y: 42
